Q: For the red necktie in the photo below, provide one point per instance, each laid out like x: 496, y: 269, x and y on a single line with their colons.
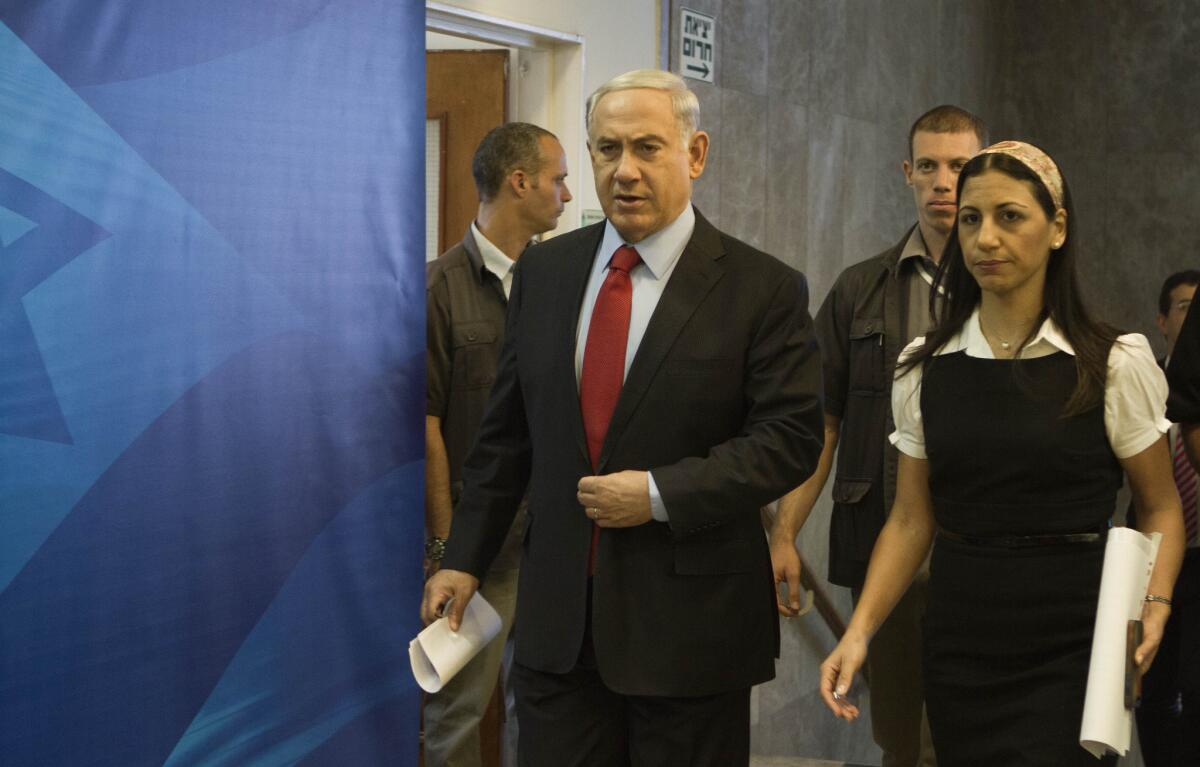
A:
x: 604, y: 358
x: 1185, y: 482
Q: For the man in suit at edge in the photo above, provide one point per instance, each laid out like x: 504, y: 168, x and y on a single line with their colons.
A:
x: 1168, y: 717
x: 653, y: 398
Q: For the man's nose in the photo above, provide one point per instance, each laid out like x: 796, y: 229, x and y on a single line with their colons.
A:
x: 627, y: 167
x: 943, y: 180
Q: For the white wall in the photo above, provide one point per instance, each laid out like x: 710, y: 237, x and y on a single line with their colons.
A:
x: 617, y: 36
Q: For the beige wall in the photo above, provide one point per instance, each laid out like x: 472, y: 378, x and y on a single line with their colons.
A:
x: 620, y: 34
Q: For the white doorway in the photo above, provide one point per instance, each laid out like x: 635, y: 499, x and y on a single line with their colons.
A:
x: 545, y: 83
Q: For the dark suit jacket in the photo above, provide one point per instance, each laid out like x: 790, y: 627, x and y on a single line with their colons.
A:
x: 1183, y: 374
x: 721, y: 403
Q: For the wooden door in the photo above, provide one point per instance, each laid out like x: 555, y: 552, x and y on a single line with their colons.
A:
x: 467, y: 90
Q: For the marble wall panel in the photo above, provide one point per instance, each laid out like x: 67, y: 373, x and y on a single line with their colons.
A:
x: 1140, y: 39
x: 742, y: 51
x: 830, y: 56
x: 878, y: 205
x: 744, y: 166
x: 1149, y: 231
x: 826, y: 200
x: 960, y: 73
x: 706, y: 191
x: 790, y: 51
x: 1185, y: 71
x: 787, y: 187
x: 900, y: 60
x: 859, y: 63
x: 1050, y: 88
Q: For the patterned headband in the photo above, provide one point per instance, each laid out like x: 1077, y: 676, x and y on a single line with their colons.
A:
x: 1037, y: 161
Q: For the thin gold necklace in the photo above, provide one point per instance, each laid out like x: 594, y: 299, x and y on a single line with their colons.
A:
x: 1005, y: 345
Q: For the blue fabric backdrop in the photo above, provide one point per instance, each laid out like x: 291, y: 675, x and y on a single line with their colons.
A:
x: 211, y: 386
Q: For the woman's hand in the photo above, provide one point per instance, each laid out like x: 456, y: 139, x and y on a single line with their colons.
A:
x: 1154, y: 622
x: 837, y: 675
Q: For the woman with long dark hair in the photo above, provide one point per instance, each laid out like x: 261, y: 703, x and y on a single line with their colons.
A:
x: 1015, y: 419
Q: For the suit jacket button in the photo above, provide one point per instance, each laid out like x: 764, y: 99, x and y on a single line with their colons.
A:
x: 471, y: 335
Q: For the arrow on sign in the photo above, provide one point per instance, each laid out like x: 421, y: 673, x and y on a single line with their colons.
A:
x: 703, y: 72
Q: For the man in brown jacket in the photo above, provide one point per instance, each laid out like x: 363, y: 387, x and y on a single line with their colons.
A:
x: 520, y: 173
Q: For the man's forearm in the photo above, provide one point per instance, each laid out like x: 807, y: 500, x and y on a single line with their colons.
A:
x: 438, y: 507
x: 795, y: 507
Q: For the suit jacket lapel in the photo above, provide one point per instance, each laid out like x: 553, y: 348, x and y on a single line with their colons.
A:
x: 579, y: 267
x: 694, y: 276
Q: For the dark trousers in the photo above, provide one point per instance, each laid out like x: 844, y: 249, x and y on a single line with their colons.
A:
x: 574, y: 720
x: 1169, y: 715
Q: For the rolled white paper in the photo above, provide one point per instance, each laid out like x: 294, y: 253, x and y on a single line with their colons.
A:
x: 438, y: 653
x: 1128, y: 561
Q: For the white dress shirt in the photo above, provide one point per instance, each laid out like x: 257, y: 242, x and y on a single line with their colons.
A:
x: 1135, y: 393
x: 660, y: 253
x: 494, y: 260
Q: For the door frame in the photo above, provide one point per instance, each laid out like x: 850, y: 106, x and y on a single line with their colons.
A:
x: 552, y: 57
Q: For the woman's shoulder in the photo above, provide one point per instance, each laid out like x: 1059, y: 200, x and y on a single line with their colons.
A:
x: 1131, y: 363
x: 1131, y: 349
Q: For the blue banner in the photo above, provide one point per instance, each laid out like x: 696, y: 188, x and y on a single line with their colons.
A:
x: 211, y: 381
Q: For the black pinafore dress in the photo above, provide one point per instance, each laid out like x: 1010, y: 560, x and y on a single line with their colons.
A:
x: 1008, y: 628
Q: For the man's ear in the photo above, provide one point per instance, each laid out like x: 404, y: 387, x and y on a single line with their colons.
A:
x: 907, y: 167
x: 1162, y: 324
x: 697, y: 151
x: 519, y: 182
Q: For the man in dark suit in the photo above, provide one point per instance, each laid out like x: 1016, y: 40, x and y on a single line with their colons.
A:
x: 658, y: 384
x: 1169, y: 715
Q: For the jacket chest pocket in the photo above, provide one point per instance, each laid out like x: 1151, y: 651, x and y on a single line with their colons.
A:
x: 868, y: 373
x: 475, y: 354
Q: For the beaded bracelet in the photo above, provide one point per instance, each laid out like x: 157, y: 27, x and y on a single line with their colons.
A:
x: 1157, y: 598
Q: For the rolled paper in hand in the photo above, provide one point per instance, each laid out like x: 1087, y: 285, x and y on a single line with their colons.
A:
x: 1128, y: 561
x: 438, y: 653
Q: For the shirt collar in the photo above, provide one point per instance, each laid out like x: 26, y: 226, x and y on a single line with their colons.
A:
x: 660, y: 250
x: 494, y: 259
x: 971, y: 340
x: 915, y: 247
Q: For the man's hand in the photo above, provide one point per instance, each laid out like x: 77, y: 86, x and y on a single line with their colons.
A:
x: 785, y: 563
x: 444, y: 586
x: 431, y: 567
x: 616, y: 500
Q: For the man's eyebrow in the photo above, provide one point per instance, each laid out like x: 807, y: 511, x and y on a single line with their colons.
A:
x: 636, y: 139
